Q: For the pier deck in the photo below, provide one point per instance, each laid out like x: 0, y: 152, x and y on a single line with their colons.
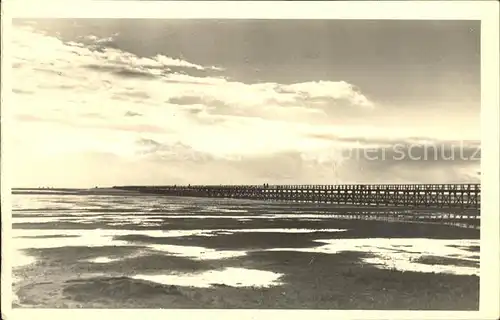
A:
x: 452, y: 197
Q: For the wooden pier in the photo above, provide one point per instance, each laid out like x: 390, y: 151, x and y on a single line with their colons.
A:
x: 446, y: 197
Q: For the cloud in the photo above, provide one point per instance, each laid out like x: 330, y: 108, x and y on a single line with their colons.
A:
x: 106, y: 47
x: 87, y: 104
x: 132, y: 114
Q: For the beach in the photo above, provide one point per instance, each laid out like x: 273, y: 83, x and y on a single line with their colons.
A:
x: 103, y: 250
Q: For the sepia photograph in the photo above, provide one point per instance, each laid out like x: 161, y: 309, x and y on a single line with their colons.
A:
x: 314, y: 164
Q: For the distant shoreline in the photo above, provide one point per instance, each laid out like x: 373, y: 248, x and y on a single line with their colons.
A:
x: 74, y: 191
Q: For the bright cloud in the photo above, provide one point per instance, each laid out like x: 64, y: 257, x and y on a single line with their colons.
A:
x: 84, y: 106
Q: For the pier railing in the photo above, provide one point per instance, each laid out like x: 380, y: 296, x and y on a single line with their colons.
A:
x: 446, y: 196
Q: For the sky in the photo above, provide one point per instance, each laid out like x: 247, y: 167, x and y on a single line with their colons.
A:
x: 103, y: 102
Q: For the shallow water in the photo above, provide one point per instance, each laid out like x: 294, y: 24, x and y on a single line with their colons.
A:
x: 402, y: 254
x: 234, y: 277
x: 102, y: 221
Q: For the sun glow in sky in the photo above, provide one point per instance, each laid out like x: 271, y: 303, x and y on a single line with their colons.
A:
x: 114, y: 102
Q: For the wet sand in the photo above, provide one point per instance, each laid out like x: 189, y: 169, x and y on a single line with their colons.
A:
x: 230, y: 255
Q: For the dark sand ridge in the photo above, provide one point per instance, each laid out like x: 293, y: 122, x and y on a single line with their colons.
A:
x: 356, y: 228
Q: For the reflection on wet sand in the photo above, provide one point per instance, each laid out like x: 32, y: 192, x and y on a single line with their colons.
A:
x: 233, y: 277
x: 217, y: 249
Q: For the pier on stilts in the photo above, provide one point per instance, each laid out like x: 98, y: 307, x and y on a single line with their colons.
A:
x: 441, y: 203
